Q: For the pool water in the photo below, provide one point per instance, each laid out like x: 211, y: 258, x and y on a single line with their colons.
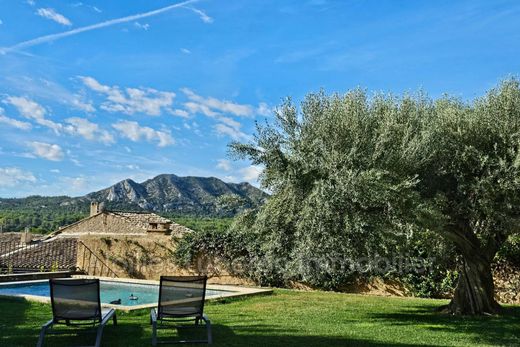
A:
x: 109, y: 291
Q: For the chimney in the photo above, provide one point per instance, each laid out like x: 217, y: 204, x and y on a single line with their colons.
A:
x: 26, y: 237
x: 94, y: 208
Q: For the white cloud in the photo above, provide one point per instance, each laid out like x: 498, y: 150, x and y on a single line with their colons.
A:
x: 194, y: 107
x: 56, y: 92
x: 185, y: 51
x: 31, y: 2
x: 205, y: 18
x: 47, y: 151
x: 53, y: 37
x: 27, y: 107
x: 49, y: 13
x: 80, y: 4
x: 75, y: 125
x: 211, y: 106
x: 13, y: 122
x: 231, y: 178
x: 94, y: 85
x: 230, y: 122
x: 133, y: 131
x: 132, y: 100
x: 180, y: 113
x: 263, y: 109
x: 79, y: 104
x: 230, y: 127
x: 48, y: 90
x: 32, y: 110
x: 144, y: 27
x: 251, y: 173
x: 75, y: 185
x: 215, y: 108
x: 76, y: 162
x: 224, y: 164
x: 56, y: 171
x: 12, y: 176
x: 90, y: 131
x: 235, y: 134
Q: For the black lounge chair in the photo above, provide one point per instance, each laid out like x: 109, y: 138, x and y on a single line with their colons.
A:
x: 76, y: 302
x: 181, y: 299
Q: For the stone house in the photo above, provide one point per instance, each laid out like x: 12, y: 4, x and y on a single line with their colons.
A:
x: 118, y: 223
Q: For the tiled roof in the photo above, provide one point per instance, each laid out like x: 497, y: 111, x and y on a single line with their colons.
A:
x: 142, y: 219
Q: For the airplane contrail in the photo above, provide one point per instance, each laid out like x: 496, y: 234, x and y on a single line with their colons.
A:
x: 53, y: 37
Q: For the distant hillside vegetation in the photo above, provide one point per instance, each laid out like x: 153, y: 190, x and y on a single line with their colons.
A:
x: 168, y: 195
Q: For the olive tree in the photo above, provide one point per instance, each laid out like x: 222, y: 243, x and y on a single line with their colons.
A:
x: 358, y: 172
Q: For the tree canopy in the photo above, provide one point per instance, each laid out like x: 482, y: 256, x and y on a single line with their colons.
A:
x: 354, y: 176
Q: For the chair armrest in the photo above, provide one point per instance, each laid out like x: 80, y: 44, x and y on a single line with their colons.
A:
x: 106, y: 317
x: 205, y: 319
x: 153, y: 315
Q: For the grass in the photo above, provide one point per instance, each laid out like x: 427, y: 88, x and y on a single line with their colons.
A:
x: 288, y: 318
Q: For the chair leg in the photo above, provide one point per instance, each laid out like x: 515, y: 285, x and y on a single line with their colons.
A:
x: 99, y: 334
x: 208, y: 328
x: 153, y: 320
x: 114, y: 319
x: 45, y: 327
x: 101, y: 326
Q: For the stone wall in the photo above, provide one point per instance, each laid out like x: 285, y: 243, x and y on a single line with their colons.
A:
x: 103, y: 223
x: 146, y: 257
x: 507, y: 283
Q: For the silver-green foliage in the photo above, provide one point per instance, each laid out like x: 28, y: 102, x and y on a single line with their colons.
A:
x: 355, y: 177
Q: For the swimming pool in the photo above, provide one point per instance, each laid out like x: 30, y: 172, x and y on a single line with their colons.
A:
x: 144, y: 294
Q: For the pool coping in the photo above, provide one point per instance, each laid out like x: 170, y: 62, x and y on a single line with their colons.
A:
x: 233, y: 291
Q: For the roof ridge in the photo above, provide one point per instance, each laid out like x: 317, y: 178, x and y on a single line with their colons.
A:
x: 136, y: 212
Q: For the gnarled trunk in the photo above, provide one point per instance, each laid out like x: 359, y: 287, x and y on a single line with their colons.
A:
x: 475, y: 289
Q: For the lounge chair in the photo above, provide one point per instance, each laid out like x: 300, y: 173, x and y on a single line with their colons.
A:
x: 76, y: 302
x: 181, y: 299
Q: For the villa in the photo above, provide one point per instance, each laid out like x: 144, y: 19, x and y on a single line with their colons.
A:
x: 120, y: 223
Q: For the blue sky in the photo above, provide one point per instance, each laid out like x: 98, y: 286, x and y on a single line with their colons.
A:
x: 93, y: 92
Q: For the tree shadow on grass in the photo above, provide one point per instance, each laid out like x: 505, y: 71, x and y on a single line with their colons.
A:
x: 502, y: 330
x: 21, y: 321
x: 13, y: 314
x: 121, y: 335
x: 13, y: 310
x: 273, y: 336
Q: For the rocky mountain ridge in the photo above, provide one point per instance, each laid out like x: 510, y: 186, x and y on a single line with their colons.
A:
x: 165, y: 194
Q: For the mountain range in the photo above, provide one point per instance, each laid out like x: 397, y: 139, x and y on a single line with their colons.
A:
x: 183, y: 195
x: 165, y: 194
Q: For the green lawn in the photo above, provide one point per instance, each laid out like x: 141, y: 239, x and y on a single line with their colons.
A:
x: 289, y: 318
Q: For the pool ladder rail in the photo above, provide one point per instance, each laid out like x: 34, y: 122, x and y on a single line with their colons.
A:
x: 98, y: 268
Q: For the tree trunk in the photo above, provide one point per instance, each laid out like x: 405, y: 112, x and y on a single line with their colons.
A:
x: 475, y: 289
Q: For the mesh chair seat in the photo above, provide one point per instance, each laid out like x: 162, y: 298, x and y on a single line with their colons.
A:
x: 181, y: 297
x: 184, y: 311
x: 77, y: 300
x: 78, y: 314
